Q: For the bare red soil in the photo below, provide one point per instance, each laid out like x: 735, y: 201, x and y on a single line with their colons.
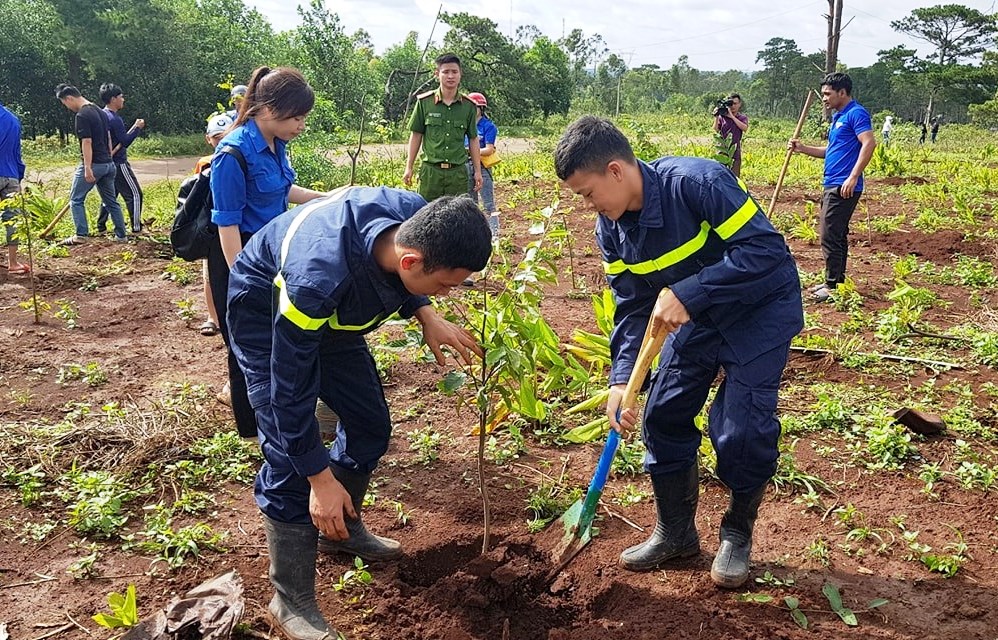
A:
x: 445, y: 588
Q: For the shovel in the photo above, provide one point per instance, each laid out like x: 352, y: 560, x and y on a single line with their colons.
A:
x: 577, y: 521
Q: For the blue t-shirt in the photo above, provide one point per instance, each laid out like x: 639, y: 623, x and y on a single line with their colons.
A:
x: 844, y: 145
x: 487, y: 133
x: 254, y: 198
x: 11, y: 164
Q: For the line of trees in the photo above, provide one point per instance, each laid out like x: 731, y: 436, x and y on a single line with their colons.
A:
x: 174, y: 59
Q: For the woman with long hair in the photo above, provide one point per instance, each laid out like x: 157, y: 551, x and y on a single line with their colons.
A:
x: 245, y: 198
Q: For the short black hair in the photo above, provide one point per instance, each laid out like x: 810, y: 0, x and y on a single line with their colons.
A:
x: 108, y: 91
x: 66, y: 91
x: 446, y: 58
x: 589, y: 144
x: 450, y: 232
x: 733, y: 96
x: 838, y: 81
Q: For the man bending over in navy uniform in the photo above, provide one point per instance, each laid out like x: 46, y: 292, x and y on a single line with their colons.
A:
x: 302, y: 294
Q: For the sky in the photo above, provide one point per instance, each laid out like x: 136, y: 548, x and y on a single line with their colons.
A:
x: 716, y: 36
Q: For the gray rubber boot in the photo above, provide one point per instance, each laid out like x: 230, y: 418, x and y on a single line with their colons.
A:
x: 675, y: 534
x: 361, y: 542
x: 731, y: 564
x: 292, y: 549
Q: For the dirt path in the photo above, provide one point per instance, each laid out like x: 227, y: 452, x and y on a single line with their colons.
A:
x: 176, y: 168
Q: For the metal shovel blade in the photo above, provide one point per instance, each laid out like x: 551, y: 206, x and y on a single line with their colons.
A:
x: 577, y: 521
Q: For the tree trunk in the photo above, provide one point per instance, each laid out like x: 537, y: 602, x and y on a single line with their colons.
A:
x: 832, y: 46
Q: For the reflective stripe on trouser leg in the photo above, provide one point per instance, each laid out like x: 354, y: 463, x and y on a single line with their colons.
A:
x: 743, y: 425
x: 678, y: 391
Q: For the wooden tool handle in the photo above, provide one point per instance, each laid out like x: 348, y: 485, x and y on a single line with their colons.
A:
x: 650, y: 346
x: 51, y: 226
x: 790, y: 152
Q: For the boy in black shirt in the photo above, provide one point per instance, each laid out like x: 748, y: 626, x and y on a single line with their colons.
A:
x: 96, y: 167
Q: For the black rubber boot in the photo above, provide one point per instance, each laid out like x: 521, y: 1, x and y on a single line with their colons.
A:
x: 294, y: 610
x: 675, y: 534
x: 361, y: 542
x: 731, y: 564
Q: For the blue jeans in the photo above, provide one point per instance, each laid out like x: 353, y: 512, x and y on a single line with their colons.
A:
x: 487, y: 192
x: 105, y: 174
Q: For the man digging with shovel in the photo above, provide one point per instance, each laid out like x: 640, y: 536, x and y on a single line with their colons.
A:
x: 684, y: 244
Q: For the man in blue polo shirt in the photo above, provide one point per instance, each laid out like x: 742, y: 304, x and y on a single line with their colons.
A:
x: 850, y: 146
x: 684, y: 243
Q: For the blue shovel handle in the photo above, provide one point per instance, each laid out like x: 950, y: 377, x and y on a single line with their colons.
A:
x: 651, y: 344
x: 599, y: 481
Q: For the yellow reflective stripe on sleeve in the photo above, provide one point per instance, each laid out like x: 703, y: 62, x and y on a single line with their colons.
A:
x: 738, y: 219
x: 287, y: 309
x: 681, y: 252
x: 334, y: 323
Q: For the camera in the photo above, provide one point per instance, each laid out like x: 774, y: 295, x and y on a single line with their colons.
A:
x: 721, y: 109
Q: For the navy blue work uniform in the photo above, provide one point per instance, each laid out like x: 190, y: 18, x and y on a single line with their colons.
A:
x: 302, y: 294
x: 700, y: 233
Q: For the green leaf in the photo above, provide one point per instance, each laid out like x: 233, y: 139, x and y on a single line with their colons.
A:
x: 104, y: 620
x: 791, y: 602
x: 594, y: 402
x: 760, y: 598
x: 877, y: 602
x: 588, y: 432
x: 452, y: 382
x: 130, y: 613
x: 832, y: 593
x: 799, y: 618
x: 847, y: 616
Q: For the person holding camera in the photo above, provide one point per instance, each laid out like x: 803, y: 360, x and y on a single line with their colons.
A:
x: 731, y: 123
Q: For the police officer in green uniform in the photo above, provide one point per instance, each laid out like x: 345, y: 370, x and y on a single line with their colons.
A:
x: 439, y: 123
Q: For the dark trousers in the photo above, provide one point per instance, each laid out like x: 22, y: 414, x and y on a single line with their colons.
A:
x: 742, y: 423
x: 348, y: 383
x: 836, y: 212
x: 218, y: 277
x: 127, y: 186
